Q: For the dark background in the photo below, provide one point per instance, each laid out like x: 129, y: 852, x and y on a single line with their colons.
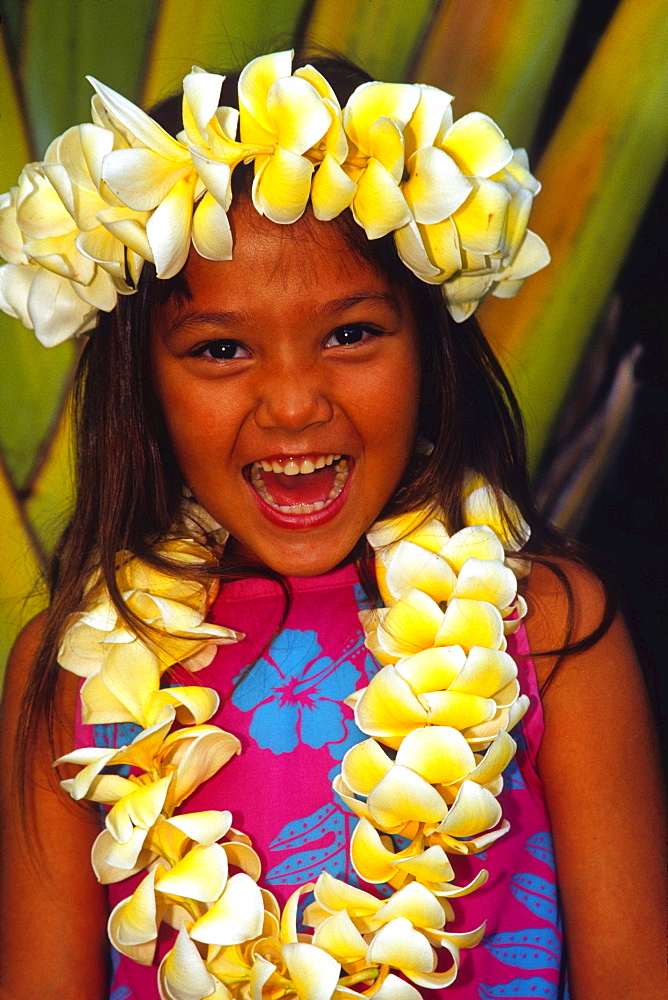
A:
x: 626, y: 524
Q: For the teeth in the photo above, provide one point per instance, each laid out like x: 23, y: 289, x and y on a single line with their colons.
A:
x: 293, y: 468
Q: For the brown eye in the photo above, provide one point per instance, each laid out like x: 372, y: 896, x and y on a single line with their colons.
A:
x: 222, y: 350
x: 349, y: 336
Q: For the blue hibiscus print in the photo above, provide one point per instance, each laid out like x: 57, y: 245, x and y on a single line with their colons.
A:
x: 295, y: 693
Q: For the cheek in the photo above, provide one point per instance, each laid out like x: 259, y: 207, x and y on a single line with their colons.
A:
x: 397, y: 399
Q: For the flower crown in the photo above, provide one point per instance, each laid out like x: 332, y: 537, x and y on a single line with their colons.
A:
x: 110, y: 195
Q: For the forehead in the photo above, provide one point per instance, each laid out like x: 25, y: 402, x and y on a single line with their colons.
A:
x: 305, y: 261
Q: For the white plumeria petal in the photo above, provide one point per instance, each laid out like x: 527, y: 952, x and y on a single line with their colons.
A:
x: 11, y: 237
x: 133, y: 922
x: 474, y: 811
x: 417, y: 904
x: 100, y: 293
x: 182, y: 974
x: 432, y: 669
x: 211, y: 235
x: 168, y: 230
x: 374, y: 100
x: 235, y: 917
x: 298, y: 114
x: 531, y: 256
x: 332, y: 190
x: 255, y: 82
x: 410, y: 563
x: 399, y: 944
x: 216, y: 176
x: 401, y: 796
x: 339, y: 937
x: 394, y: 988
x: 200, y: 875
x: 485, y: 672
x: 140, y: 808
x: 15, y: 284
x: 486, y: 580
x: 364, y: 765
x: 411, y: 250
x: 468, y: 623
x: 441, y: 241
x: 56, y: 311
x: 430, y: 121
x: 282, y: 189
x: 136, y: 124
x: 476, y: 541
x: 201, y: 94
x: 313, y: 972
x: 439, y: 754
x: 142, y: 178
x: 481, y: 219
x: 129, y: 228
x: 436, y: 186
x: 478, y: 145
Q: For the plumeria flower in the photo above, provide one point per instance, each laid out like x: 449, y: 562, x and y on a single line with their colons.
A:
x: 48, y: 229
x: 432, y: 595
x: 400, y: 945
x: 47, y: 284
x: 374, y: 119
x: 523, y: 252
x: 154, y: 174
x: 123, y: 671
x: 532, y: 255
x: 44, y: 302
x: 210, y: 132
x: 431, y: 782
x: 332, y: 190
x: 277, y: 959
x: 183, y: 974
x: 73, y: 164
x: 482, y: 244
x: 441, y: 687
x: 169, y: 768
x: 417, y: 622
x: 285, y: 113
x: 195, y: 881
x: 348, y: 920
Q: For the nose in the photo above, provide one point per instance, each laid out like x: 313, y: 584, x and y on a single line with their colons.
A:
x: 292, y: 398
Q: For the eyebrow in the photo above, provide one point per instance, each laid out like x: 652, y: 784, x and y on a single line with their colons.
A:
x: 233, y: 318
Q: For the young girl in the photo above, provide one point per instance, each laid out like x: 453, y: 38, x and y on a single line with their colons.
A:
x: 281, y: 435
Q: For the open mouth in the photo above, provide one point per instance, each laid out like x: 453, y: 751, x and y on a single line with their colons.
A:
x: 302, y: 484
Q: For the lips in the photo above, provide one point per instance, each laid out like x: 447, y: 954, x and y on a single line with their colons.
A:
x: 299, y: 485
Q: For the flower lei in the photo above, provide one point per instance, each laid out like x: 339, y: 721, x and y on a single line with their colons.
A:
x: 447, y: 691
x: 120, y: 190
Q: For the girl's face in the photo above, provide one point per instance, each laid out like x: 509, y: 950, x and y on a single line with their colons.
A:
x: 289, y: 384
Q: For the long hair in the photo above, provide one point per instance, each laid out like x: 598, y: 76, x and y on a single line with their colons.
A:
x: 129, y: 486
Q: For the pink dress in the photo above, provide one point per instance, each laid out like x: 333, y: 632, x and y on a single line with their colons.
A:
x: 294, y: 731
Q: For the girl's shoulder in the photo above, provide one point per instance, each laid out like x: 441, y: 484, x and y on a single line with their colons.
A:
x: 20, y: 664
x: 567, y: 603
x: 18, y: 676
x: 598, y: 762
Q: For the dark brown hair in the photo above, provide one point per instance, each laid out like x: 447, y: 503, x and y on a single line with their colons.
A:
x: 130, y: 488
